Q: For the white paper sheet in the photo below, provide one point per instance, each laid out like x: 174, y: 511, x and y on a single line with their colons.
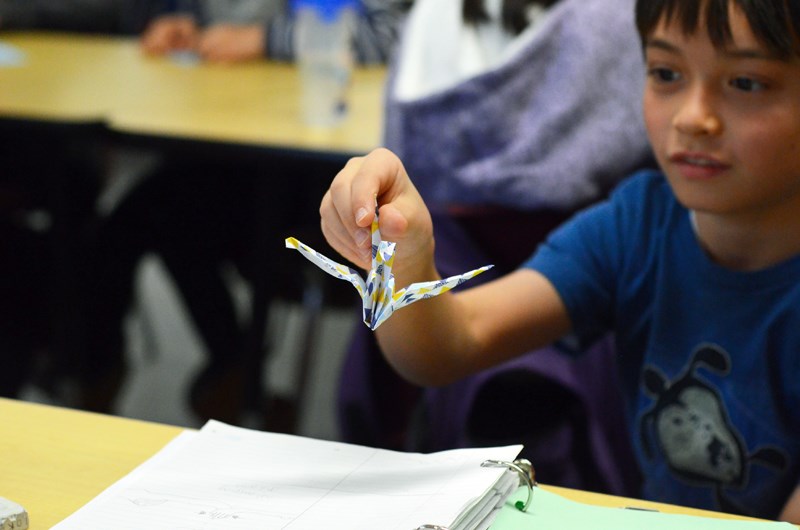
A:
x: 229, y: 477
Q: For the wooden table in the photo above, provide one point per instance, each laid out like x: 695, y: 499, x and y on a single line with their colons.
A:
x: 54, y: 460
x: 78, y: 78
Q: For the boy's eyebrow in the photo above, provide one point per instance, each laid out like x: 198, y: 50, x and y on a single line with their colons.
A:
x: 661, y: 45
x: 734, y: 53
x: 750, y: 53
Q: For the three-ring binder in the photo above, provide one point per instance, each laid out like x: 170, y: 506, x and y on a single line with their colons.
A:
x: 527, y: 478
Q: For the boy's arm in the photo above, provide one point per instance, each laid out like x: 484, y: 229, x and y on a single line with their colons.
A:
x: 791, y: 512
x: 442, y: 339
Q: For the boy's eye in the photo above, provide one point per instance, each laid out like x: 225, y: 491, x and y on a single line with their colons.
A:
x: 746, y: 84
x: 663, y: 75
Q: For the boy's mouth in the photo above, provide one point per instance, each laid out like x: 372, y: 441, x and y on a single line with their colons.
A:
x: 697, y: 165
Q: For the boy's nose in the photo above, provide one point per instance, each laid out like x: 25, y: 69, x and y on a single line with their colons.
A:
x: 696, y: 115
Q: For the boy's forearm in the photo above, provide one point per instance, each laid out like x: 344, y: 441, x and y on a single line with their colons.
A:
x: 428, y: 342
x: 441, y: 340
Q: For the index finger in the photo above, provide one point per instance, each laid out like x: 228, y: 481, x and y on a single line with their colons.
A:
x: 337, y: 208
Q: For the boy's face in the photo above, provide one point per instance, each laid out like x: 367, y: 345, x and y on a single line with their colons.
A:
x: 724, y: 123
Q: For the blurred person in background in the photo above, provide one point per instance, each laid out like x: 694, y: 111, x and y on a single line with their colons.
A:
x: 228, y: 31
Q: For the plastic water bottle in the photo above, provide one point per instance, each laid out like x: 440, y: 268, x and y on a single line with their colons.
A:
x: 323, y: 34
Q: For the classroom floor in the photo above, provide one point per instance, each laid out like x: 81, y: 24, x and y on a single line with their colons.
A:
x: 164, y: 352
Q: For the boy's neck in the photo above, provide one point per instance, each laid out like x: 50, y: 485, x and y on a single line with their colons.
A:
x: 744, y: 245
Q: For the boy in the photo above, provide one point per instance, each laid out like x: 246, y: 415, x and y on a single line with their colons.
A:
x: 696, y: 270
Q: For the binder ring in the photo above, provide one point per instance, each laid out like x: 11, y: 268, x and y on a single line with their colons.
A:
x: 527, y: 477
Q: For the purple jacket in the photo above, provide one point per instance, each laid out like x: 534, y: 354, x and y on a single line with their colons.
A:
x: 556, y: 127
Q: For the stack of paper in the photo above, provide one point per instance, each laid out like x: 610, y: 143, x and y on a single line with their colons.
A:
x: 229, y: 477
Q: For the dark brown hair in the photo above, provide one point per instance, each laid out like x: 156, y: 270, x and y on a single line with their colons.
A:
x: 513, y: 13
x: 773, y: 22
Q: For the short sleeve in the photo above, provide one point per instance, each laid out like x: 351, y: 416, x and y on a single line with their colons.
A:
x: 589, y: 258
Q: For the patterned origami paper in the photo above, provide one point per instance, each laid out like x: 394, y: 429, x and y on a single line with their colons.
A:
x: 377, y: 293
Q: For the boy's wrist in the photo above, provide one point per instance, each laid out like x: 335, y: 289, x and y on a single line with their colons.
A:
x: 413, y: 271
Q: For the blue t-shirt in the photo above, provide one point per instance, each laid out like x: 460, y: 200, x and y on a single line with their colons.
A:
x: 709, y: 357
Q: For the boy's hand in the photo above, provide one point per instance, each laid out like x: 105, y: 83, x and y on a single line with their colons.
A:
x: 170, y: 33
x: 348, y: 208
x: 230, y: 43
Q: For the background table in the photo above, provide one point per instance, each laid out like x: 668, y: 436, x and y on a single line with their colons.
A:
x: 77, y: 78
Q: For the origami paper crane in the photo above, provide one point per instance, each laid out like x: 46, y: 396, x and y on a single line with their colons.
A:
x: 377, y: 293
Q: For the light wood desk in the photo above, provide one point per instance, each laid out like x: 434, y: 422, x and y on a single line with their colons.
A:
x: 55, y: 460
x: 78, y: 78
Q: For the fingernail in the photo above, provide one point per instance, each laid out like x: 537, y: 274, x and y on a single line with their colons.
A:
x: 360, y: 214
x: 361, y: 237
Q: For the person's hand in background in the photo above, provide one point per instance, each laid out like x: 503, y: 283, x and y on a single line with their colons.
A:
x: 170, y: 33
x: 232, y: 43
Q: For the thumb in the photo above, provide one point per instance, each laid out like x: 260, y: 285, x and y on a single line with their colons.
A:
x: 392, y: 223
